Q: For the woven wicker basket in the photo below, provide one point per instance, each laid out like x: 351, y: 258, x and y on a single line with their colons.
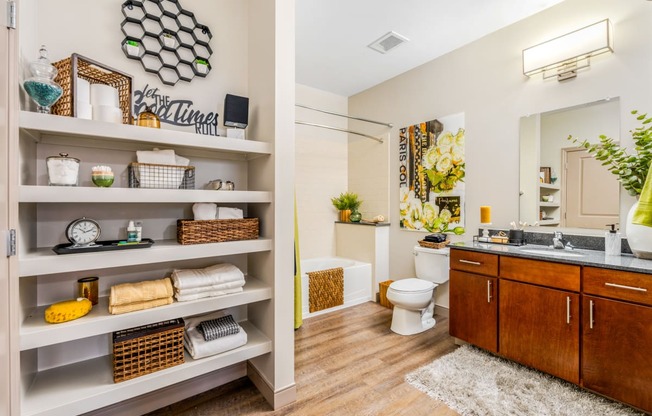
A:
x: 428, y: 244
x: 95, y: 73
x: 146, y: 349
x: 216, y: 231
x: 383, y: 294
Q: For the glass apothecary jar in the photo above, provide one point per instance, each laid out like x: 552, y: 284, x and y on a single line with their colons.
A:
x: 41, y: 86
x: 62, y: 170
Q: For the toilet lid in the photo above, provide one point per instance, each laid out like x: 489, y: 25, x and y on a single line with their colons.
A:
x: 412, y: 285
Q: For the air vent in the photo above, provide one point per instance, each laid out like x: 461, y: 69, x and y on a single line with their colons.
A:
x: 388, y: 41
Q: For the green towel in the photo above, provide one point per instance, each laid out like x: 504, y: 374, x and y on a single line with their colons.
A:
x: 643, y: 213
x: 298, y: 313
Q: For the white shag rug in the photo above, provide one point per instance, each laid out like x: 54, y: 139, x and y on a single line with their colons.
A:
x: 473, y: 382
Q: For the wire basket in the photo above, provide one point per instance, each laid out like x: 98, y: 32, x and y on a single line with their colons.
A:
x: 151, y: 175
x: 216, y: 231
x: 146, y: 349
x: 78, y: 66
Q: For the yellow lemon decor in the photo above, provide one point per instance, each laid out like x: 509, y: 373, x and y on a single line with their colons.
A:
x: 67, y: 310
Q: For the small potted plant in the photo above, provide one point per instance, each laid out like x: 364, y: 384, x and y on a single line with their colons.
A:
x: 347, y: 203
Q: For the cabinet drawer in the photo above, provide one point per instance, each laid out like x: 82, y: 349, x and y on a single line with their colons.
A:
x: 544, y: 273
x: 474, y: 262
x: 633, y: 287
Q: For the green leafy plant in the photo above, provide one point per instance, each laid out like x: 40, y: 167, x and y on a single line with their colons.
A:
x: 631, y: 169
x: 346, y: 200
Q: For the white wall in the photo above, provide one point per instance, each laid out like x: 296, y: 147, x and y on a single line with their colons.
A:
x: 484, y: 80
x: 321, y: 169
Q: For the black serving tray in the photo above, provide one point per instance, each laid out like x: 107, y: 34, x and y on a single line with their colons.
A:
x: 109, y: 245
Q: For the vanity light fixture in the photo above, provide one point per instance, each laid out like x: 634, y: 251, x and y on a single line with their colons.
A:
x: 564, y: 55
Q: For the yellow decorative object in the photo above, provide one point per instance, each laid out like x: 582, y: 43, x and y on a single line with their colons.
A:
x: 67, y: 310
x: 149, y: 119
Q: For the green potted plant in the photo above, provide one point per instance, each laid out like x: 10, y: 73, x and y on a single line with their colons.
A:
x: 347, y: 203
x: 632, y: 171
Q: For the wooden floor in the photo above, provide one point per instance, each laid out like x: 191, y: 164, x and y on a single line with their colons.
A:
x: 347, y: 362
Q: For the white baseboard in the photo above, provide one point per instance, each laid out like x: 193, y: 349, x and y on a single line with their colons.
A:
x: 174, y: 393
x: 275, y: 399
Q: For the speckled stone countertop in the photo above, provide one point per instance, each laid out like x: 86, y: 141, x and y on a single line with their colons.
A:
x: 592, y: 258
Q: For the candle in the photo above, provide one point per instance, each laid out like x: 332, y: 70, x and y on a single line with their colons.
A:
x: 485, y: 214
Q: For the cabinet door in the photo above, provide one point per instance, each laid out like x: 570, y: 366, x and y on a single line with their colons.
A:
x: 616, y: 353
x: 540, y: 328
x: 474, y: 309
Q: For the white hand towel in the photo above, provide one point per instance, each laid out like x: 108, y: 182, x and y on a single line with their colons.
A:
x: 156, y: 156
x: 226, y: 213
x: 181, y: 161
x: 204, y: 211
x: 221, y: 286
x: 199, y: 348
x: 211, y: 275
x: 206, y: 294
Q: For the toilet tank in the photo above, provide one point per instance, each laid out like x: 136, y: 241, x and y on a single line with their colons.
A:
x: 432, y: 264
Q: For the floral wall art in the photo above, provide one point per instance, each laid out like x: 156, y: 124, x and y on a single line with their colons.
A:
x: 431, y: 175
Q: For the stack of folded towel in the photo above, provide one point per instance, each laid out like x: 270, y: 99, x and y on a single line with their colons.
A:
x: 209, y: 211
x: 212, y: 334
x: 129, y: 297
x: 217, y: 280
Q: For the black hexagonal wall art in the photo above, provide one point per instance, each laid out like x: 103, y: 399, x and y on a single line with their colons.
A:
x: 166, y: 39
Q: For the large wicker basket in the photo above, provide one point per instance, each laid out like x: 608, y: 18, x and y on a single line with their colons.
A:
x: 429, y: 244
x: 146, y: 349
x: 383, y: 286
x: 216, y: 231
x: 95, y: 73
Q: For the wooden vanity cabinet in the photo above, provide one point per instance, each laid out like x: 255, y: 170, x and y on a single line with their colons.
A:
x: 617, y: 335
x: 539, y: 322
x: 473, y: 298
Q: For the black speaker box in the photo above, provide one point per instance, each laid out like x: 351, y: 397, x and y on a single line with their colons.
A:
x: 236, y: 111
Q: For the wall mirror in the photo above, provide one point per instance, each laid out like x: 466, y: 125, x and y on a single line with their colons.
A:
x: 561, y: 185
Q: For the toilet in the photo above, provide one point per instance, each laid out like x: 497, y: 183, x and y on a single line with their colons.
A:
x: 413, y: 299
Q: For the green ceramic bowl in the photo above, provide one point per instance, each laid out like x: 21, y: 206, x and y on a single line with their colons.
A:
x: 103, y: 181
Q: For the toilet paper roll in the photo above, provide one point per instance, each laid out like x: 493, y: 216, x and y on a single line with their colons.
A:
x: 84, y: 110
x: 107, y: 113
x: 104, y: 95
x: 83, y: 92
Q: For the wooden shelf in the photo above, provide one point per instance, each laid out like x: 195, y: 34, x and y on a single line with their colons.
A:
x: 44, y: 261
x: 52, y: 194
x: 88, y: 385
x: 36, y: 333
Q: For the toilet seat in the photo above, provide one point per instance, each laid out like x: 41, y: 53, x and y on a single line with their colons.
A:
x: 412, y: 285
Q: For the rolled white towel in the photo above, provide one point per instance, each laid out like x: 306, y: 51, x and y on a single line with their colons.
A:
x: 221, y: 286
x: 206, y: 294
x: 204, y: 211
x: 226, y: 213
x: 211, y: 275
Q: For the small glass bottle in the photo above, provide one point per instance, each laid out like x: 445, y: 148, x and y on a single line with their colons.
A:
x: 148, y: 118
x: 612, y: 241
x: 41, y: 86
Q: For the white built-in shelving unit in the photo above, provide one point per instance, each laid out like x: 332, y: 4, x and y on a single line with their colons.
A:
x: 551, y: 209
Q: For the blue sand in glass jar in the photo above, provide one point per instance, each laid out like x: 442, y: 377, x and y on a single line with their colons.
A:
x: 44, y: 94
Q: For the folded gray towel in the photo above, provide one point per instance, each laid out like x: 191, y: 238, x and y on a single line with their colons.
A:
x: 217, y: 328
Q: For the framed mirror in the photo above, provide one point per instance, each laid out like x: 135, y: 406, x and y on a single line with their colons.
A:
x: 561, y: 185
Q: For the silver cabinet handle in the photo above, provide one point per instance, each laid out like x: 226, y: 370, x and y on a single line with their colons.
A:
x: 638, y: 289
x: 488, y: 291
x: 591, y: 314
x: 475, y: 263
x: 568, y: 315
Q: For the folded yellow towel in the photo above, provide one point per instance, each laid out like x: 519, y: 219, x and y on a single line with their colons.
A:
x: 138, y: 306
x: 643, y: 213
x: 126, y: 293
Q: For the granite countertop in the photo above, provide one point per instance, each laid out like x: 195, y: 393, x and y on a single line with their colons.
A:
x: 594, y: 258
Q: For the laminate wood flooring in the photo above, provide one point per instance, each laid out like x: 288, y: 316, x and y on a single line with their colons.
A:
x: 347, y: 362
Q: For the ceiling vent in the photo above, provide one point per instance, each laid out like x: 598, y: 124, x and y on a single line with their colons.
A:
x: 387, y: 42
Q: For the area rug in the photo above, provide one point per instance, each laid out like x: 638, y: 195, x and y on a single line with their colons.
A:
x: 473, y: 382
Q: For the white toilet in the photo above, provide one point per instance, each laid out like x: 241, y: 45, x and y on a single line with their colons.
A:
x: 413, y: 299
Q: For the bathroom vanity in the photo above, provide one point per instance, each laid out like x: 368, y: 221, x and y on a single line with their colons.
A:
x: 576, y: 314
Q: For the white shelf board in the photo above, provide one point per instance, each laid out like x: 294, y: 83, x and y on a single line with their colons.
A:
x: 72, y: 128
x: 36, y: 333
x: 88, y: 385
x: 53, y: 194
x: 549, y: 204
x: 549, y: 222
x: 44, y: 261
x: 548, y: 186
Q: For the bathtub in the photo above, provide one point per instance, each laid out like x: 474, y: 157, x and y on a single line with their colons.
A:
x: 357, y: 281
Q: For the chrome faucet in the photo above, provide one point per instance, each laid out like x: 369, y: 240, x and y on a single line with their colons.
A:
x: 558, y: 242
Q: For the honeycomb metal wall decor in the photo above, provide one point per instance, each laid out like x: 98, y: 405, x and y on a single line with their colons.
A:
x: 166, y: 39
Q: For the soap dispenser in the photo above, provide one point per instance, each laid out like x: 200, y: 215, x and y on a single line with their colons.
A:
x: 612, y: 241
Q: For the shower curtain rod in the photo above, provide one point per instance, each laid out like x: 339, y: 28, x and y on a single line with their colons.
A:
x: 345, y: 115
x: 305, y: 123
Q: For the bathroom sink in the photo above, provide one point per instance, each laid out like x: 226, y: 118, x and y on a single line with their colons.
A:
x: 551, y: 252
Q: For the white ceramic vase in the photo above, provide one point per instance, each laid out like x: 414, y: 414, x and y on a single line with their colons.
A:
x: 639, y: 237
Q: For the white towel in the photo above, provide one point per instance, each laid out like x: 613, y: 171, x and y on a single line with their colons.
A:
x: 199, y: 348
x: 226, y: 213
x: 211, y: 275
x: 204, y: 211
x: 181, y: 161
x: 156, y: 156
x: 221, y: 286
x: 206, y: 294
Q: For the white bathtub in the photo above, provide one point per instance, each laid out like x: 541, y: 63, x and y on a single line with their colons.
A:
x: 357, y: 281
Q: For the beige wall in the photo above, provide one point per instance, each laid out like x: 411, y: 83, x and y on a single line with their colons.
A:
x: 321, y: 169
x: 484, y: 80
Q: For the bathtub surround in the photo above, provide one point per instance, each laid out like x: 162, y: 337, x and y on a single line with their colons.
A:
x: 474, y: 382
